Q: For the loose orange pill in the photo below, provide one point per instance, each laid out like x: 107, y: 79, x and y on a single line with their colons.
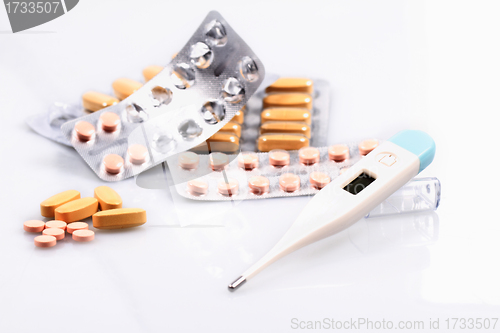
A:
x: 77, y: 226
x: 56, y: 224
x: 56, y: 232
x: 197, y: 187
x: 229, y: 188
x: 151, y: 71
x: 279, y: 157
x: 124, y: 87
x: 113, y: 163
x: 319, y: 179
x: 338, y: 153
x: 45, y: 241
x: 109, y: 121
x: 289, y: 182
x: 34, y: 226
x: 258, y: 185
x: 367, y: 146
x: 218, y: 161
x: 83, y: 235
x: 188, y: 160
x: 248, y: 161
x: 48, y: 206
x: 107, y: 198
x: 137, y: 154
x: 77, y: 210
x: 309, y: 155
x: 84, y: 131
x: 95, y: 101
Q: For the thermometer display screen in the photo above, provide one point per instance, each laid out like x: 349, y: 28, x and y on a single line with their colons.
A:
x: 359, y: 184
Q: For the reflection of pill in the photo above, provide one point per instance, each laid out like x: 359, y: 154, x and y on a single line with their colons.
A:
x: 248, y: 161
x: 367, y: 146
x: 137, y: 154
x: 45, y: 241
x: 289, y: 182
x: 113, y: 163
x: 119, y: 218
x: 95, y: 101
x: 286, y: 114
x: 319, y: 179
x: 288, y: 100
x: 109, y: 121
x: 76, y: 226
x: 286, y: 127
x: 197, y: 187
x: 188, y: 160
x: 338, y: 153
x: 34, y: 226
x: 83, y: 235
x: 107, y: 198
x: 232, y: 127
x: 57, y: 233
x: 56, y: 224
x: 151, y: 71
x: 309, y: 155
x: 239, y: 116
x: 258, y: 185
x: 48, y: 206
x: 76, y: 210
x: 84, y: 131
x: 218, y: 161
x: 228, y: 188
x: 279, y: 157
x: 289, y: 84
x: 269, y: 142
x: 343, y: 170
x: 124, y: 87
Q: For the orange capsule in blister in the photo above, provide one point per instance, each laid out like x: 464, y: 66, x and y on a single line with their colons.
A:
x: 269, y: 142
x: 286, y: 127
x: 295, y: 100
x: 232, y: 127
x: 239, y: 117
x: 286, y: 114
x: 290, y: 84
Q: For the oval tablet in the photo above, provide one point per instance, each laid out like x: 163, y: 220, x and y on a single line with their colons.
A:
x: 45, y: 241
x: 119, y: 218
x: 84, y: 131
x: 258, y: 185
x: 289, y: 182
x: 269, y: 142
x: 319, y: 179
x: 290, y: 84
x: 188, y: 160
x: 34, y: 226
x: 137, y: 154
x: 309, y: 155
x: 76, y: 210
x: 56, y: 232
x: 76, y: 226
x: 56, y: 224
x: 95, y: 101
x: 286, y: 114
x: 107, y: 198
x: 286, y: 127
x: 229, y: 188
x: 295, y: 100
x: 83, y: 235
x: 232, y: 127
x: 248, y: 161
x: 338, y: 153
x: 279, y: 157
x: 151, y: 71
x: 218, y: 161
x: 48, y: 206
x: 113, y: 163
x: 367, y: 146
x: 109, y: 121
x: 197, y: 187
x: 124, y: 87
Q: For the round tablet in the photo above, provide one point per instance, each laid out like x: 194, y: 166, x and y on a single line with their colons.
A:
x: 367, y: 146
x: 45, y: 241
x: 289, y: 182
x: 113, y: 163
x: 197, y: 187
x: 279, y: 157
x: 338, y: 153
x: 308, y: 155
x: 319, y: 179
x: 229, y: 188
x: 248, y: 161
x: 188, y: 160
x: 218, y: 161
x: 83, y: 235
x: 34, y: 226
x: 258, y: 185
x: 84, y: 131
x: 109, y: 121
x: 137, y: 154
x: 56, y: 232
x: 76, y: 226
x: 56, y: 224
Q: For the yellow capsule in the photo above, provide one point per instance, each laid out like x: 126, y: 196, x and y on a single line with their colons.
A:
x: 290, y: 84
x: 269, y: 142
x: 232, y: 127
x: 224, y: 137
x: 95, y: 101
x: 288, y: 101
x: 48, y: 206
x: 76, y: 210
x: 239, y: 117
x: 119, y: 218
x: 107, y: 198
x: 124, y: 87
x: 286, y: 127
x: 151, y: 71
x: 286, y: 114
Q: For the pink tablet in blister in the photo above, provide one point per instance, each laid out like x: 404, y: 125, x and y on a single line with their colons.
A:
x: 367, y: 146
x: 197, y: 187
x: 84, y: 131
x: 188, y: 160
x: 309, y: 155
x: 218, y: 161
x: 289, y: 182
x: 228, y: 188
x: 113, y: 163
x: 258, y: 185
x: 109, y: 121
x: 279, y: 157
x: 137, y: 154
x: 338, y: 153
x: 319, y: 179
x: 248, y: 161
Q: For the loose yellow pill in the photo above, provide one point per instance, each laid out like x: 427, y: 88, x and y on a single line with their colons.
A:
x: 119, y: 218
x: 76, y: 210
x: 151, y: 71
x: 289, y: 84
x: 269, y: 142
x: 48, y: 206
x: 286, y: 114
x: 288, y: 101
x: 286, y: 127
x: 124, y: 87
x: 232, y: 127
x: 95, y: 101
x: 107, y: 198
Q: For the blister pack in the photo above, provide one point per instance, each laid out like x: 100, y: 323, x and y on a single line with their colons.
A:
x: 206, y: 84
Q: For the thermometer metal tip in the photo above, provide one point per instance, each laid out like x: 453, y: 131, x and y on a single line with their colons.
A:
x: 237, y: 283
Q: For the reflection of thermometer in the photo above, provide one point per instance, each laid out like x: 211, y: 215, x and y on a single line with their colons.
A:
x: 353, y: 194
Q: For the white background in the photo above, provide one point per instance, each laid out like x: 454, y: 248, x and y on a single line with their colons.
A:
x: 392, y: 65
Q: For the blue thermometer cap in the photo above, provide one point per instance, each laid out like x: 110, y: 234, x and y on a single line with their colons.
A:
x: 417, y: 142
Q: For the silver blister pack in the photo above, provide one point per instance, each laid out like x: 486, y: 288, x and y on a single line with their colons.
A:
x: 209, y: 80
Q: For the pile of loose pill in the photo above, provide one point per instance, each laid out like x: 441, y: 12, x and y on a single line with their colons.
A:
x: 68, y: 208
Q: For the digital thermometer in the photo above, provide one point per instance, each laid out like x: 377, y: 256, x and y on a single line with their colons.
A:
x: 353, y: 194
